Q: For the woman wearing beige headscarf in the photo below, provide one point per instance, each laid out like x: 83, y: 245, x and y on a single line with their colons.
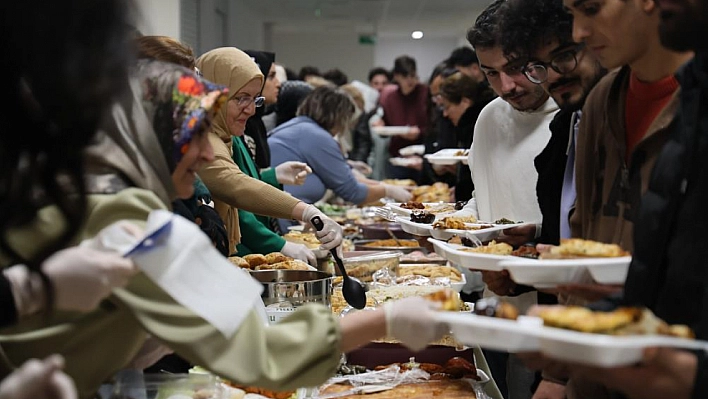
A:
x: 231, y: 188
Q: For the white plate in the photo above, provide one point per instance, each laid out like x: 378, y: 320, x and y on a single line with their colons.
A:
x: 484, y: 235
x: 405, y: 162
x: 489, y: 332
x: 612, y: 271
x: 447, y: 156
x: 390, y: 130
x: 605, y: 350
x: 419, y: 229
x: 469, y: 260
x: 545, y: 273
x: 429, y: 207
x: 418, y: 149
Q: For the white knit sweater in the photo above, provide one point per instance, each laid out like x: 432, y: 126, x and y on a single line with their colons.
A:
x: 501, y: 160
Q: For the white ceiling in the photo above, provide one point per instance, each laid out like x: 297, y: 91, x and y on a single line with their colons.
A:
x: 386, y: 18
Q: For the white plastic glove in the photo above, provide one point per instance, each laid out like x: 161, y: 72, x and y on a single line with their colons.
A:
x: 39, y: 379
x: 360, y: 166
x: 299, y: 251
x: 331, y: 234
x: 292, y: 173
x: 398, y: 193
x: 83, y: 276
x: 411, y: 321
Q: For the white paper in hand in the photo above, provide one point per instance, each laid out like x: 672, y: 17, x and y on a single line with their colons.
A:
x: 196, y: 275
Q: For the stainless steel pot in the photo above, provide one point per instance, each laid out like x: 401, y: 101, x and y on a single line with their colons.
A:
x: 294, y: 286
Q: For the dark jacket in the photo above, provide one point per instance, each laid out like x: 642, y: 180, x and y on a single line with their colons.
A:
x: 440, y: 136
x: 463, y: 135
x: 550, y: 165
x: 361, y: 139
x: 669, y: 273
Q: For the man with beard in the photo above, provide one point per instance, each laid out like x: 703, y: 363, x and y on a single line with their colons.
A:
x: 667, y: 274
x: 542, y: 31
x: 509, y: 133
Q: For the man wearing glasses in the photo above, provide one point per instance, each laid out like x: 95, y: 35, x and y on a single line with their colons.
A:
x: 542, y: 32
x: 509, y: 133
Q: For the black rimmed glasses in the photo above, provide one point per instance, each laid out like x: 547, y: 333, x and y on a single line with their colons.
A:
x: 564, y: 62
x: 245, y: 101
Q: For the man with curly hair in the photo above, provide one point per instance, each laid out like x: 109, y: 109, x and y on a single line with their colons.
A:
x: 509, y: 133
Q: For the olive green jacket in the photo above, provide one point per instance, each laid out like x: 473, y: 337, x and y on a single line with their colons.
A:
x: 300, y: 351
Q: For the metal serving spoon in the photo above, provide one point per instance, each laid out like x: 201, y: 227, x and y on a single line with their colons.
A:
x: 352, y: 289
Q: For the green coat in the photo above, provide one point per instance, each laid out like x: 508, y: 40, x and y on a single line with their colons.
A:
x: 300, y: 351
x: 256, y: 236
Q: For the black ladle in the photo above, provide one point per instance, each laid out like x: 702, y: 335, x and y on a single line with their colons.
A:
x: 352, y: 289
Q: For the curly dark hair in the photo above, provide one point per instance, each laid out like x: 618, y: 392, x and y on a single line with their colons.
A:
x: 530, y: 24
x: 485, y: 32
x: 63, y: 74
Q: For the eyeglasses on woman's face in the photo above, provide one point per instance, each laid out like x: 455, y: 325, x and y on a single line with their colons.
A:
x: 563, y: 63
x: 245, y: 101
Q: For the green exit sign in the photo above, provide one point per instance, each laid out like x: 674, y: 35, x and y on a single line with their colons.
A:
x: 367, y: 39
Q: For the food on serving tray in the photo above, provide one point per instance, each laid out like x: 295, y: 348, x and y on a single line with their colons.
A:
x: 449, y: 299
x: 308, y: 239
x: 438, y: 192
x: 462, y: 153
x: 276, y: 257
x: 493, y: 307
x: 439, y: 389
x: 455, y: 368
x: 504, y: 221
x: 255, y: 260
x: 492, y: 248
x: 622, y: 321
x: 364, y: 267
x: 240, y: 262
x: 450, y: 222
x: 420, y: 257
x: 459, y: 205
x: 422, y: 217
x: 526, y: 251
x: 579, y: 248
x: 392, y: 243
x: 431, y: 271
x: 263, y: 392
x: 285, y: 265
x: 400, y: 182
x: 412, y: 205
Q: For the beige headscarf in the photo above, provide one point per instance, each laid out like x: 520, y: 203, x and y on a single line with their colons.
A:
x: 230, y: 67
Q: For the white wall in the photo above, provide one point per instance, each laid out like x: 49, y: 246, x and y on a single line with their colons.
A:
x: 427, y: 52
x: 158, y: 17
x: 325, y: 50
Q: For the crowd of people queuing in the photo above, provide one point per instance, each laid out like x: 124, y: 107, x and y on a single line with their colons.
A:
x: 583, y: 118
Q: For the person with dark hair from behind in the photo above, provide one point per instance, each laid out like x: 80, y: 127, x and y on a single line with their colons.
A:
x: 308, y: 71
x: 461, y: 101
x: 255, y: 137
x: 57, y: 103
x: 405, y: 104
x: 464, y: 59
x: 379, y: 78
x: 336, y: 76
x: 290, y: 97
